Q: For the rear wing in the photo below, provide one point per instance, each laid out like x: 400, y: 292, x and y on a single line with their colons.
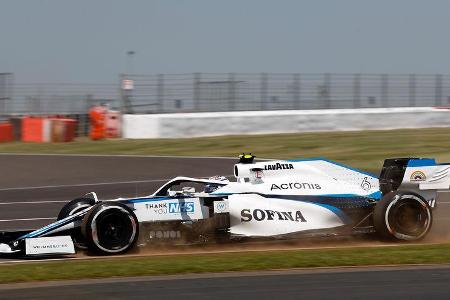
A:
x: 421, y: 175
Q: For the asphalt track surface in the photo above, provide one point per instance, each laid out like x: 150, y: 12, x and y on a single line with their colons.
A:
x: 426, y: 282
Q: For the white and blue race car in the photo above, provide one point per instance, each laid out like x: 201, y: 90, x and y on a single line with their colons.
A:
x: 281, y: 199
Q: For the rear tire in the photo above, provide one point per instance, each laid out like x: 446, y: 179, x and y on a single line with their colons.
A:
x: 110, y: 228
x: 71, y: 208
x: 402, y: 216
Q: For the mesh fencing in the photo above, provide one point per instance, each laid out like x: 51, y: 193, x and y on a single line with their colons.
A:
x: 207, y: 92
x: 216, y: 92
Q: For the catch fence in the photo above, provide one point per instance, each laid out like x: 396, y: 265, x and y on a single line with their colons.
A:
x: 206, y: 92
x: 218, y: 92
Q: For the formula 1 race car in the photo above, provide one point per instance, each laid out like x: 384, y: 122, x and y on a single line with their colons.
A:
x: 281, y: 199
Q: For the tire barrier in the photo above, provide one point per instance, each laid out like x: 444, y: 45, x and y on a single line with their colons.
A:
x: 6, y: 132
x: 46, y: 129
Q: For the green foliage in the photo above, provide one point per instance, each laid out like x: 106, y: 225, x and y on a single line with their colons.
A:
x: 361, y: 149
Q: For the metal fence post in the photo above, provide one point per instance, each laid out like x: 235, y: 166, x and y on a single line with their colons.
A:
x: 37, y: 101
x: 3, y: 92
x: 160, y: 92
x: 84, y: 119
x: 232, y: 91
x: 121, y: 95
x: 438, y: 90
x: 326, y: 92
x: 384, y: 90
x: 9, y: 105
x: 263, y: 90
x: 88, y: 103
x: 412, y: 90
x: 196, y: 91
x: 356, y: 90
x: 296, y: 90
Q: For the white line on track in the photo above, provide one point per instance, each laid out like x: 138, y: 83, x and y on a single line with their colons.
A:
x: 31, y: 219
x: 89, y: 184
x: 34, y: 202
x: 112, y: 155
x: 80, y: 184
x: 123, y: 155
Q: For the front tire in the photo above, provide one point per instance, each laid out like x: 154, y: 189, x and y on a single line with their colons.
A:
x: 402, y: 216
x: 110, y: 228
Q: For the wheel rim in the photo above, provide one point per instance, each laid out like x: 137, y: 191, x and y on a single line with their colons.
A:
x: 408, y: 218
x: 113, y: 230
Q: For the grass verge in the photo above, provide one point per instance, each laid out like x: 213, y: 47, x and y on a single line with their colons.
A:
x: 224, y: 262
x: 360, y: 149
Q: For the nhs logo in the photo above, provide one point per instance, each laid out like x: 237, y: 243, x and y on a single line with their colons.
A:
x: 183, y: 207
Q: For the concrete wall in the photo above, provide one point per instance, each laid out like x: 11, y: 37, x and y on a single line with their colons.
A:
x: 262, y: 122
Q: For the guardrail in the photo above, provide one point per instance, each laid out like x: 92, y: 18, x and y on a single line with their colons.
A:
x: 137, y: 126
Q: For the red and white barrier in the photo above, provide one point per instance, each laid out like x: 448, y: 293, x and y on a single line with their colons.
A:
x: 41, y: 129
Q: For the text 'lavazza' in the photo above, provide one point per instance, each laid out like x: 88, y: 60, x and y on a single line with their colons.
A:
x: 278, y: 166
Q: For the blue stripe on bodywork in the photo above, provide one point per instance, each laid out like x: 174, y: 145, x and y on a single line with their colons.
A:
x: 376, y: 195
x: 48, y: 228
x: 421, y: 162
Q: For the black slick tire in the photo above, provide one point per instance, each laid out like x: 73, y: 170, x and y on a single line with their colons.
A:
x: 110, y: 228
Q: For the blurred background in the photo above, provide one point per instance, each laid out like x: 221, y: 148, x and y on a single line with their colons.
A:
x: 59, y: 59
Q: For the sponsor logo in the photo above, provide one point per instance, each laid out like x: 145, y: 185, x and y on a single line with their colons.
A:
x: 157, y: 208
x: 221, y: 206
x: 258, y: 215
x: 418, y: 176
x: 296, y: 185
x: 183, y: 207
x: 279, y: 166
x: 165, y: 234
x: 155, y: 205
x: 365, y: 184
x: 51, y: 246
x: 48, y: 245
